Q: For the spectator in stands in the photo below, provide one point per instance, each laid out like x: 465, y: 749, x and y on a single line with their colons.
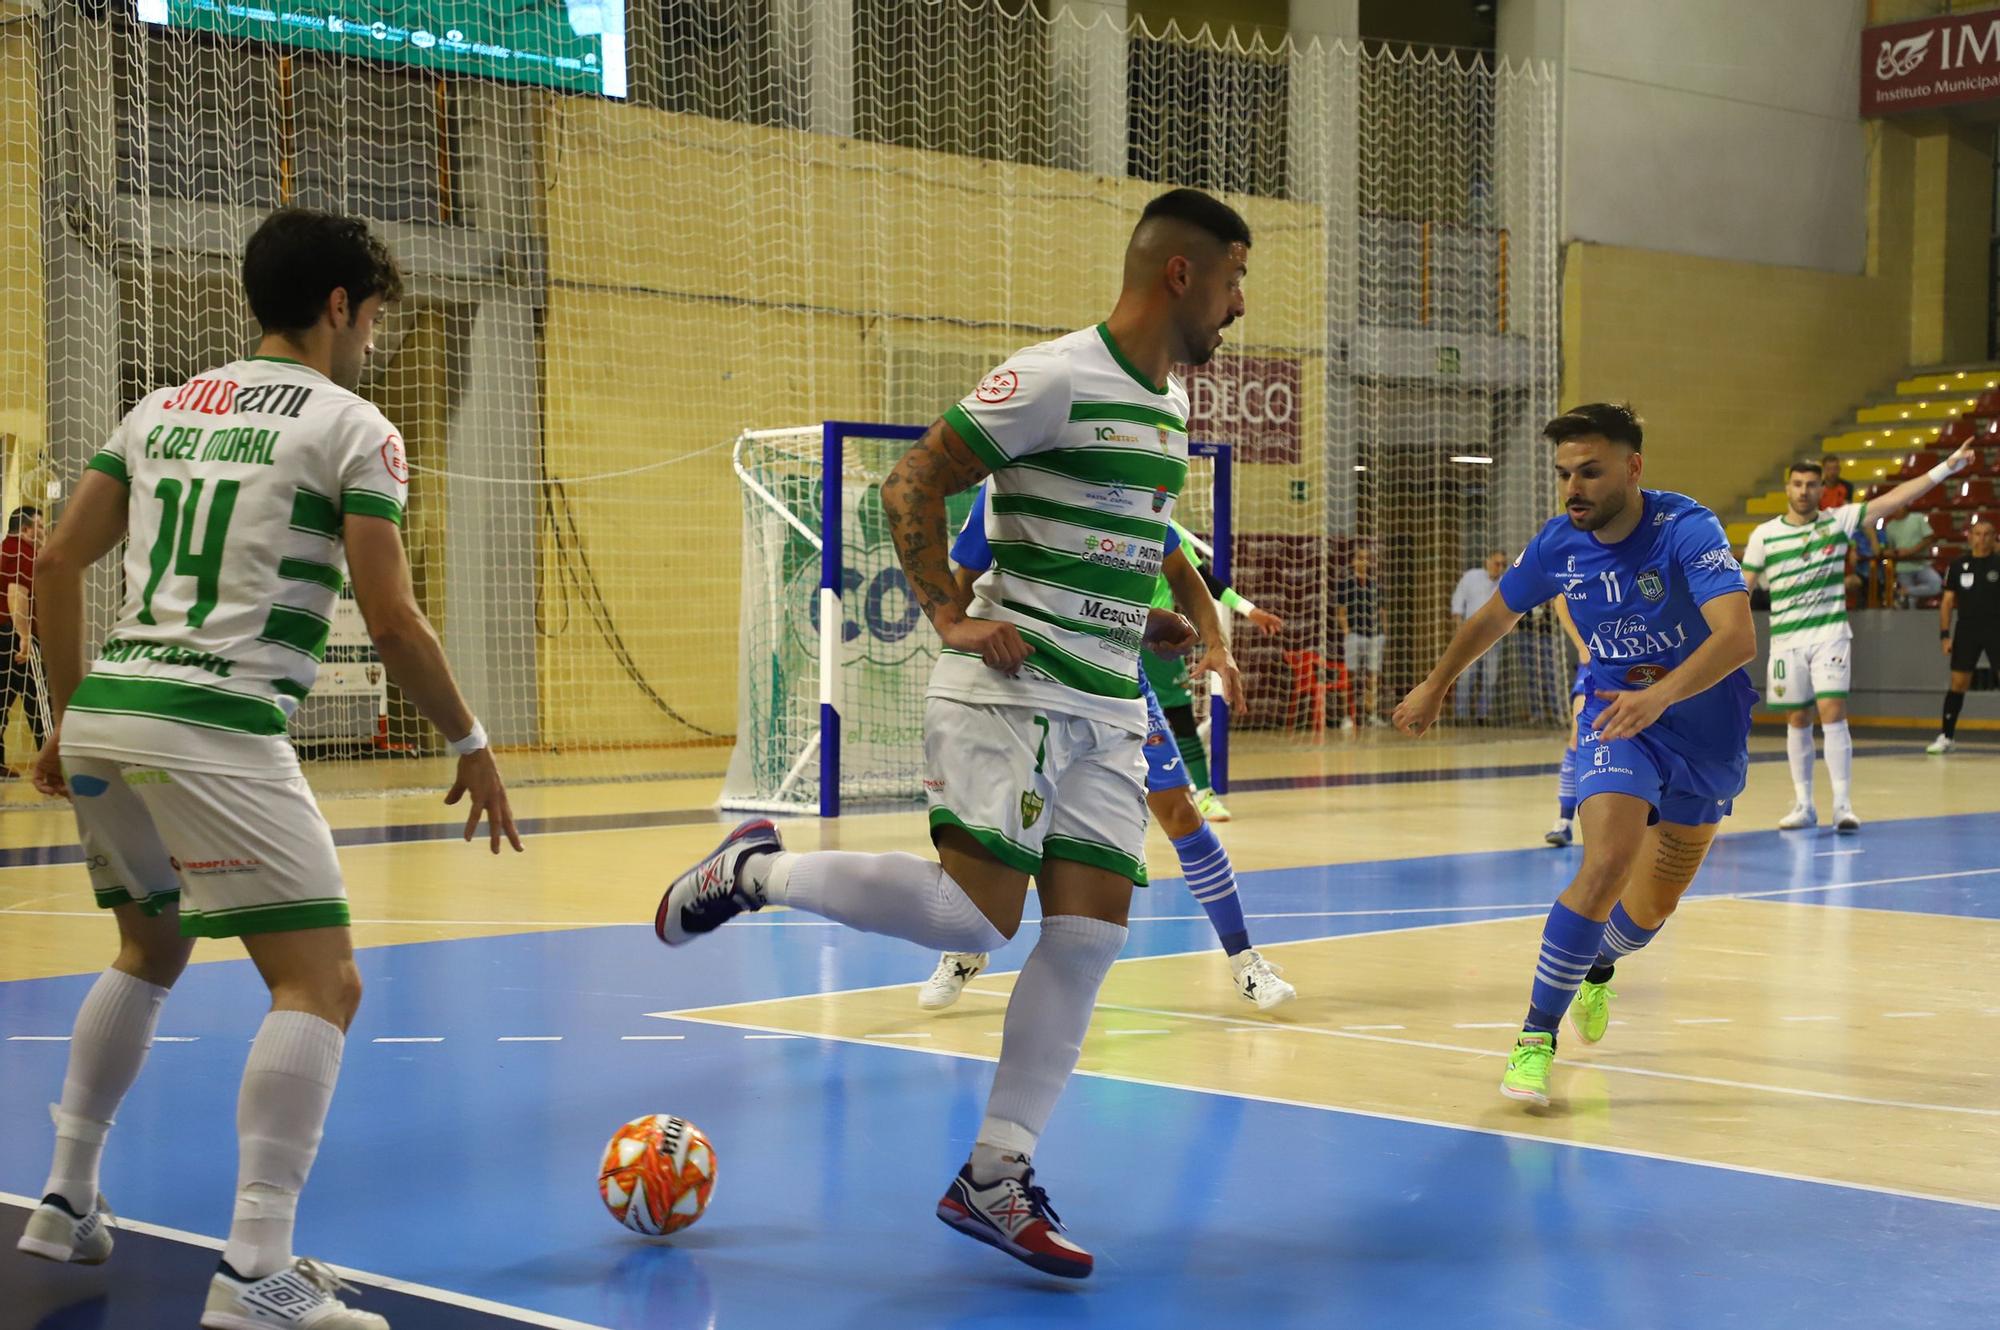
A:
x: 1475, y: 588
x: 17, y: 619
x: 1359, y: 619
x: 1905, y: 540
x: 1833, y: 491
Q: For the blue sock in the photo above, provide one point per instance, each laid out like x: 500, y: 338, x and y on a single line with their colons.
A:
x: 1622, y: 937
x: 1566, y: 785
x: 1212, y: 879
x: 1570, y: 943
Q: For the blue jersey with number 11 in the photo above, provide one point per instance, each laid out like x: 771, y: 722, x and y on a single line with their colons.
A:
x: 1638, y: 605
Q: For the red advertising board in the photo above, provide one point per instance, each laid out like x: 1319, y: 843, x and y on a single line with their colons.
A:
x: 1252, y: 402
x: 1923, y: 64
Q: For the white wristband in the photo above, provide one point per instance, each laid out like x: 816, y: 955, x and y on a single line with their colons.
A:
x: 1941, y: 473
x: 471, y: 743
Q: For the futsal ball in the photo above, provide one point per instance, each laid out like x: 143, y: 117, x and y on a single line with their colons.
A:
x: 657, y: 1175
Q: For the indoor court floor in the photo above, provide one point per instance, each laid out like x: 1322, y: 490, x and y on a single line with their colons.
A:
x: 1795, y: 1119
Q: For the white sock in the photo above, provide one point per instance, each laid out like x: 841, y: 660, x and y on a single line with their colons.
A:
x: 1046, y: 1020
x: 114, y: 1029
x: 1799, y: 746
x: 897, y: 894
x: 1839, y: 759
x: 280, y: 1115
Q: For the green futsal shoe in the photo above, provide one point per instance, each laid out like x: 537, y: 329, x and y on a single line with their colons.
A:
x: 1528, y: 1069
x: 1590, y: 1014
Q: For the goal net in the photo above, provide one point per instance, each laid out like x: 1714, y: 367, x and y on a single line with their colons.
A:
x: 630, y: 229
x: 836, y: 652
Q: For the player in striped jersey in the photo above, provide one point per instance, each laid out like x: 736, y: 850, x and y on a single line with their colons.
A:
x: 1170, y: 792
x: 1033, y: 724
x: 246, y: 497
x: 1802, y: 556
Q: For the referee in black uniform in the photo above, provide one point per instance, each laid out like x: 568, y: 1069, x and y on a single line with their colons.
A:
x: 1972, y: 587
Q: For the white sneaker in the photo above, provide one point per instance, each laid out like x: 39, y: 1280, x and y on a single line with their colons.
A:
x: 1944, y: 743
x: 1844, y: 819
x: 1257, y: 980
x: 300, y: 1295
x: 57, y: 1233
x: 1800, y: 818
x: 955, y: 969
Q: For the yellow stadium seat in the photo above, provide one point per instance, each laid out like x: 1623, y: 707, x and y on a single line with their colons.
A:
x: 1917, y: 408
x: 1767, y: 505
x: 1961, y: 381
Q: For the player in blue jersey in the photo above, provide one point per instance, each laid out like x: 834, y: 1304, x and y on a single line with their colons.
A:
x: 1661, y: 603
x: 1170, y: 798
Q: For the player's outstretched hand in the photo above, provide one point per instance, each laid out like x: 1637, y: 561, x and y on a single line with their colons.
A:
x: 1961, y: 459
x: 47, y: 774
x: 999, y: 644
x: 1222, y: 665
x: 1267, y: 622
x: 479, y: 777
x: 1629, y: 712
x: 1168, y: 635
x: 1416, y: 713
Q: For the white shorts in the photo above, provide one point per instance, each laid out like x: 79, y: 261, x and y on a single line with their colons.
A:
x: 240, y: 856
x: 1029, y: 784
x: 1797, y: 675
x: 1364, y: 652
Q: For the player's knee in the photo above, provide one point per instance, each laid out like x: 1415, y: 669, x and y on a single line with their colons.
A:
x: 158, y: 965
x: 1174, y: 810
x: 1832, y: 710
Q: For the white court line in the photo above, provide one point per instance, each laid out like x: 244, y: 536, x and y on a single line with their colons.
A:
x: 410, y: 1039
x: 530, y: 1039
x: 1527, y: 1137
x: 176, y: 1038
x: 38, y: 1039
x: 1793, y: 1091
x: 1837, y: 854
x: 1905, y: 1015
x: 393, y: 1285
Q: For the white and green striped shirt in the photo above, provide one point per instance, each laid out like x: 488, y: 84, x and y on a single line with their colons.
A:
x: 1805, y: 567
x: 1087, y: 460
x: 238, y: 483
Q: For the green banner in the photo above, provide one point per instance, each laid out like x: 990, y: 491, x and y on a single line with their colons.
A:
x: 576, y: 45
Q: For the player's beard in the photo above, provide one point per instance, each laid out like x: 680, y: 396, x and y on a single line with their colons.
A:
x: 1600, y: 514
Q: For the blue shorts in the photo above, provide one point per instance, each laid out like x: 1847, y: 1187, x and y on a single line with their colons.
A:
x: 1164, y: 768
x: 1682, y: 790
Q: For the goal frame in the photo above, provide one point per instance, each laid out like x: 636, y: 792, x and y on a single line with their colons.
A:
x: 825, y: 746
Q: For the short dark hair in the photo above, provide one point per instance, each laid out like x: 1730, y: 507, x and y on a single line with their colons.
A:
x: 1805, y: 465
x: 1616, y: 421
x: 1202, y: 211
x: 20, y: 517
x: 297, y: 257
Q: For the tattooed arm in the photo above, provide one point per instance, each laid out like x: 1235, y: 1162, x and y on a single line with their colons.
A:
x: 913, y: 498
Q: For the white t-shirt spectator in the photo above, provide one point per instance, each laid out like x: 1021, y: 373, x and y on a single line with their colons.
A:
x: 1474, y: 590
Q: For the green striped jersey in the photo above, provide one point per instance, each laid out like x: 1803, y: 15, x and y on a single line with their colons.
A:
x: 1805, y: 567
x: 238, y: 481
x: 1087, y: 460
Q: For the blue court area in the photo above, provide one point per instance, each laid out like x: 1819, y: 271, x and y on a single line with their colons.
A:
x: 465, y: 1163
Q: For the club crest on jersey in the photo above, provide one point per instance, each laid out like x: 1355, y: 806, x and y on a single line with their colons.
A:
x: 1651, y: 585
x: 1031, y: 808
x: 1645, y: 676
x: 1163, y: 436
x: 1160, y: 497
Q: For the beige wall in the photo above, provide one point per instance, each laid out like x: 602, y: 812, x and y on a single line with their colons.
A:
x: 23, y: 383
x: 1737, y: 366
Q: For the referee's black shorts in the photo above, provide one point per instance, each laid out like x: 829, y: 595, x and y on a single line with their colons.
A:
x: 1969, y: 642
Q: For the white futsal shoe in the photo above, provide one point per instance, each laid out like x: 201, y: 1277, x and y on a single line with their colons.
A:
x: 1801, y: 818
x: 55, y: 1232
x: 1944, y: 743
x: 955, y: 969
x: 1844, y: 819
x: 1257, y: 980
x: 300, y: 1296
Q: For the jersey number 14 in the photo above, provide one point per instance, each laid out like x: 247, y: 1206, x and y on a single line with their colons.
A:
x: 175, y: 544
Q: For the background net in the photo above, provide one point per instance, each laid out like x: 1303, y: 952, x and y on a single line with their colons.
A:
x: 803, y: 209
